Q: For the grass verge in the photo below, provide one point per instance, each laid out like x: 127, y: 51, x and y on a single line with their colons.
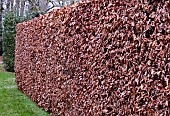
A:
x: 12, y: 101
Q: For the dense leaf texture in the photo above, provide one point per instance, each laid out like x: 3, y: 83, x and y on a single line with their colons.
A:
x: 102, y: 57
x: 10, y: 21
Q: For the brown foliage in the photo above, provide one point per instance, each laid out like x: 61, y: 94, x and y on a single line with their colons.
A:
x: 101, y: 57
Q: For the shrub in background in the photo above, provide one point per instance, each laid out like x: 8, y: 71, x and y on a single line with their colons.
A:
x: 0, y: 37
x: 8, y: 34
x: 1, y: 51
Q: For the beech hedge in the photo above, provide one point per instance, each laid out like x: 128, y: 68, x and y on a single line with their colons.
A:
x: 96, y: 58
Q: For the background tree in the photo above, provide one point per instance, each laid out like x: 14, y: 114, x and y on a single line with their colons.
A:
x: 1, y: 10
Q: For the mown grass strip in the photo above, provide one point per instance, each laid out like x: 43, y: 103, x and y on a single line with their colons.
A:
x: 12, y: 101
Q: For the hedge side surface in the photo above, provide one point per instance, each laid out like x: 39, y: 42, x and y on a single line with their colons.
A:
x: 96, y: 58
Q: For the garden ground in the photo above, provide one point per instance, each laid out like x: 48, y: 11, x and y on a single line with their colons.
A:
x: 12, y: 101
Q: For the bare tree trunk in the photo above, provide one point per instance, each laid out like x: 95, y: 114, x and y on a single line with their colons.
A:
x: 43, y: 5
x: 11, y: 4
x: 22, y: 7
x: 17, y: 7
x: 32, y: 5
x: 7, y: 5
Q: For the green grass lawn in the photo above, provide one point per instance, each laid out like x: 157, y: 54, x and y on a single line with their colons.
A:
x: 12, y: 101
